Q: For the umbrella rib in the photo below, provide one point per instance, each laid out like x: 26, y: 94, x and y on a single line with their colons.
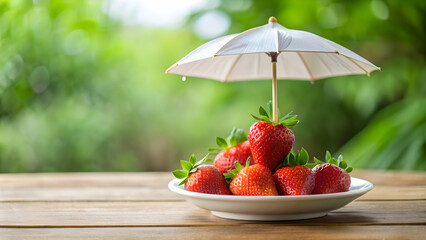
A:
x: 232, y: 67
x: 230, y: 40
x: 306, y: 66
x: 171, y: 68
x: 366, y: 72
x: 278, y: 41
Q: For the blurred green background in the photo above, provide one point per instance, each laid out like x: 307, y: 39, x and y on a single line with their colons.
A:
x: 82, y: 83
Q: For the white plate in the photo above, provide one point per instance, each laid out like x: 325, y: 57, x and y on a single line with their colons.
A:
x: 273, y: 208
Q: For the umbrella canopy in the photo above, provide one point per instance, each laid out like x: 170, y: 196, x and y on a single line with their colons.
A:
x: 241, y: 56
x: 294, y: 54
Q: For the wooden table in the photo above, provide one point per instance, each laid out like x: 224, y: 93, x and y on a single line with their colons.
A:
x: 139, y: 206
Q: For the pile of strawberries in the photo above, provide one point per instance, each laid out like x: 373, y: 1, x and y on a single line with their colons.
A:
x: 264, y: 165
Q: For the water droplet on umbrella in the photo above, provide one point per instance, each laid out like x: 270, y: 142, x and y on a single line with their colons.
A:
x: 183, y: 79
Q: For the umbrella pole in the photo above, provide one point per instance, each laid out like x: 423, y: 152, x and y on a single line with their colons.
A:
x: 274, y: 87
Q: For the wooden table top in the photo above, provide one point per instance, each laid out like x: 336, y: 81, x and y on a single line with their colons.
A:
x: 139, y: 206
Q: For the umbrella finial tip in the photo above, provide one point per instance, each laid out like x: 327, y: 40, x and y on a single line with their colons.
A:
x: 272, y: 19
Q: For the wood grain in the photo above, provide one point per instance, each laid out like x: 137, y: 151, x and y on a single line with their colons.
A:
x: 66, y: 194
x: 79, y: 214
x: 162, y: 193
x: 387, y: 178
x: 139, y: 205
x: 254, y: 231
x: 391, y: 178
x: 150, y: 179
x: 153, y: 187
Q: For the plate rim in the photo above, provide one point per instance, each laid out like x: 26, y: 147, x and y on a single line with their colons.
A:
x: 172, y: 185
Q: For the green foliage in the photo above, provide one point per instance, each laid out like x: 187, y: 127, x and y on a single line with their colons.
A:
x: 80, y: 91
x: 395, y: 138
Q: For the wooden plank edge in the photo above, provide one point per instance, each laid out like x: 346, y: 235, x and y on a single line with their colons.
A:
x: 289, y: 223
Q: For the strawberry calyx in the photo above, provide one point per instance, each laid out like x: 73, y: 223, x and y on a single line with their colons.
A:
x: 335, y: 161
x: 295, y: 159
x: 189, y: 167
x: 289, y: 120
x: 231, y: 173
x: 236, y: 137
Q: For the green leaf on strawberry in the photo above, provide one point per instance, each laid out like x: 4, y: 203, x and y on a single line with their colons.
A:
x: 310, y: 165
x: 263, y: 113
x: 221, y: 142
x: 295, y: 159
x: 342, y: 163
x: 317, y: 161
x: 236, y: 137
x: 180, y: 174
x: 335, y: 161
x: 269, y: 106
x: 303, y: 157
x: 231, y: 173
x: 189, y: 167
x: 327, y: 156
x: 289, y: 120
x: 213, y: 149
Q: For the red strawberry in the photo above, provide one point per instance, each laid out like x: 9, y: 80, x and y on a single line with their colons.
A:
x: 236, y: 148
x: 254, y: 180
x: 271, y: 142
x: 203, y: 179
x: 295, y: 179
x: 207, y: 179
x: 226, y: 159
x: 331, y: 177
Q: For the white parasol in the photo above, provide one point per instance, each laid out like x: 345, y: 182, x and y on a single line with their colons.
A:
x: 294, y: 54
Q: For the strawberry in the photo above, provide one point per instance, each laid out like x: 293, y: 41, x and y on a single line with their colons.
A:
x: 202, y: 179
x: 251, y: 180
x: 236, y: 148
x: 294, y: 178
x: 271, y: 142
x: 333, y: 176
